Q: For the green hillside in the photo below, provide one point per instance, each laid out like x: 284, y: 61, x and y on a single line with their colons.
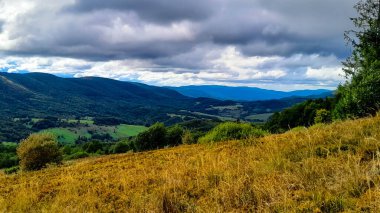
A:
x: 37, y: 95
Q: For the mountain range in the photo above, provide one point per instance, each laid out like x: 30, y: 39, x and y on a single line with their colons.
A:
x: 37, y: 95
x: 245, y: 93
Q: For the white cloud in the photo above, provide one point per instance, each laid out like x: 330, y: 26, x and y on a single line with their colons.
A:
x: 271, y: 44
x: 219, y: 66
x: 325, y: 73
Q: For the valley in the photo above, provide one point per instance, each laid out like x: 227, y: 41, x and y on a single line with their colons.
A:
x: 38, y: 96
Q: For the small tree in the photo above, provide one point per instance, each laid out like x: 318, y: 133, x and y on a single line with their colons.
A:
x: 121, y: 147
x: 152, y: 138
x: 38, y: 150
x: 174, y: 135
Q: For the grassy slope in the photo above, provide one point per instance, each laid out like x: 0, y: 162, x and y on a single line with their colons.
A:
x: 324, y: 168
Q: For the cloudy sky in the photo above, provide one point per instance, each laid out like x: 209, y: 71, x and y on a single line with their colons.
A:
x: 275, y: 44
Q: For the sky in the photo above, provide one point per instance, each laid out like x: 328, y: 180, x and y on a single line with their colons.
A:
x: 273, y: 44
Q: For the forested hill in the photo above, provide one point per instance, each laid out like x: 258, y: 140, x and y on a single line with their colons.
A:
x: 245, y: 93
x: 37, y: 95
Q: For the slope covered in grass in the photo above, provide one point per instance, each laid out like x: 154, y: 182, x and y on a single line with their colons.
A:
x: 328, y: 168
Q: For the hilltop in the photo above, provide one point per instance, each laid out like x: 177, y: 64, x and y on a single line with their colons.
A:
x: 325, y: 168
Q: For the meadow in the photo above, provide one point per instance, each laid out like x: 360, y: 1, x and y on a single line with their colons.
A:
x: 324, y: 168
x: 259, y: 118
x: 70, y: 134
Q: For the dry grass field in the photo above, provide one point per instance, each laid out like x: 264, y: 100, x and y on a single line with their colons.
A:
x: 326, y: 168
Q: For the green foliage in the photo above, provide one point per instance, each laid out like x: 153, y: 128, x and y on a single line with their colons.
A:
x: 188, y: 138
x: 77, y: 155
x: 303, y: 114
x: 8, y: 160
x: 93, y: 146
x: 13, y: 130
x: 66, y: 150
x: 322, y: 116
x: 198, y: 125
x: 158, y: 136
x: 108, y: 101
x: 360, y: 95
x: 107, y: 121
x: 11, y: 170
x: 46, y: 123
x: 153, y: 138
x: 121, y: 147
x: 231, y: 131
x: 38, y: 150
x: 174, y: 135
x: 8, y: 156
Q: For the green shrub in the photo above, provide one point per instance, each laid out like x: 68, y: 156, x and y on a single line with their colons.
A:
x: 152, y: 138
x: 67, y: 150
x: 12, y: 170
x: 121, y: 147
x: 174, y: 135
x: 77, y: 155
x: 8, y: 160
x: 231, y: 131
x: 93, y: 147
x: 188, y: 138
x: 38, y: 150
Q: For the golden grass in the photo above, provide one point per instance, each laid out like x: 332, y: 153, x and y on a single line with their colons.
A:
x: 328, y: 168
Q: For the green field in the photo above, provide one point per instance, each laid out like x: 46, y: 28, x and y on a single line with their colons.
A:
x: 82, y: 121
x: 9, y: 143
x: 125, y: 130
x: 264, y: 117
x: 70, y: 135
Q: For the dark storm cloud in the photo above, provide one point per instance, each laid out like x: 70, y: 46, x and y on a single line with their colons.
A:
x: 152, y: 10
x: 199, y: 38
x: 87, y: 28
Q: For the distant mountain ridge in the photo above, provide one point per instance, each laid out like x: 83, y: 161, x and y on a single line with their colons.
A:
x: 37, y: 95
x: 245, y: 93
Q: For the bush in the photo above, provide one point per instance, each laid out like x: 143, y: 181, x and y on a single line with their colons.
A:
x: 12, y: 170
x: 8, y: 160
x: 92, y: 147
x: 38, y: 150
x: 121, y: 147
x: 302, y: 114
x: 152, y: 138
x: 188, y: 138
x: 231, y: 131
x: 174, y: 135
x: 77, y: 155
